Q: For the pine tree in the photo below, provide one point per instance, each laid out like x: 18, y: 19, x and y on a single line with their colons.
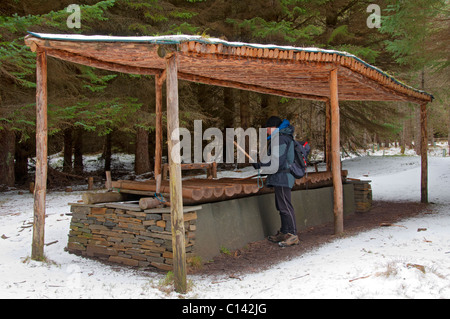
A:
x: 419, y: 41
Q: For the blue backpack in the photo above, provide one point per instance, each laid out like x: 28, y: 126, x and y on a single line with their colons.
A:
x: 301, y: 152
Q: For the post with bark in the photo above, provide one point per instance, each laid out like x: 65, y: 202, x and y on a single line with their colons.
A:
x: 328, y: 135
x: 424, y: 153
x: 159, y: 80
x: 338, y: 193
x: 176, y: 199
x: 37, y: 246
x: 108, y: 183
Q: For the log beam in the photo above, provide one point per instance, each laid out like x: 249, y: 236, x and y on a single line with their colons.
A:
x: 328, y: 134
x: 338, y: 194
x: 176, y: 198
x: 247, y: 87
x: 37, y: 246
x: 159, y: 80
x: 424, y: 153
x: 105, y: 65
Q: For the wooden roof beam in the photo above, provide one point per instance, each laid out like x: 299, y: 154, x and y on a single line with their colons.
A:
x: 376, y: 86
x: 79, y: 59
x: 248, y: 87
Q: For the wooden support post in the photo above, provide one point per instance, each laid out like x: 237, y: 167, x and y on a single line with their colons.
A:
x: 158, y: 130
x: 338, y: 197
x: 90, y: 183
x: 214, y: 170
x: 328, y: 134
x: 176, y: 199
x: 424, y: 153
x: 108, y: 183
x: 37, y: 246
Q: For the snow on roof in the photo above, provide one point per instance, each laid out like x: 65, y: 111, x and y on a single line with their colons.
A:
x: 176, y: 39
x: 181, y: 38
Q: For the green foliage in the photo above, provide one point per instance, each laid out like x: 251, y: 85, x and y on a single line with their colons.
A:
x: 20, y: 119
x: 184, y: 28
x: 57, y: 19
x: 341, y: 31
x: 411, y: 24
x: 225, y: 250
x: 151, y: 10
x: 367, y: 54
x: 18, y: 24
x: 100, y: 101
x: 102, y: 117
x: 262, y: 30
x: 179, y: 14
x: 17, y: 62
x: 95, y: 82
x: 160, y: 17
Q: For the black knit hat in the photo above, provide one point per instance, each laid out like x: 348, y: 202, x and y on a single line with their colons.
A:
x: 273, y: 121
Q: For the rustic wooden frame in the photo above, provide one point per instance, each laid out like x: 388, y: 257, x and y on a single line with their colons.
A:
x: 40, y: 190
x: 313, y: 74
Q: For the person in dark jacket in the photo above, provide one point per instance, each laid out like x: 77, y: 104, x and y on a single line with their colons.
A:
x: 281, y: 180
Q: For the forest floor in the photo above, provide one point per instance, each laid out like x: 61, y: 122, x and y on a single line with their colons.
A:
x: 262, y: 255
x: 399, y: 249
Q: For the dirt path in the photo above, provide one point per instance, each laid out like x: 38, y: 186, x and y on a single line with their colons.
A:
x: 263, y: 254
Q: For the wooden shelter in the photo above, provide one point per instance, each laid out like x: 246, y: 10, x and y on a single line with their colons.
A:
x: 303, y: 73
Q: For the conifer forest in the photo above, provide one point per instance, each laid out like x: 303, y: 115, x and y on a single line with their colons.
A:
x: 93, y: 111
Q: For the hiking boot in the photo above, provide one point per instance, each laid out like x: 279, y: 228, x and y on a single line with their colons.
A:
x: 289, y: 241
x: 278, y: 237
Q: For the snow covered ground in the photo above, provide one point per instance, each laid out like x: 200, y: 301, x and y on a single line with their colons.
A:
x: 389, y: 262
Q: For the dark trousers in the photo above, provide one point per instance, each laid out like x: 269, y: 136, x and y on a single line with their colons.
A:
x: 287, y: 213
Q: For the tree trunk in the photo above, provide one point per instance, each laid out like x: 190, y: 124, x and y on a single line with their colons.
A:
x: 78, y: 151
x: 107, y: 152
x: 424, y: 153
x: 309, y: 131
x: 228, y: 119
x: 269, y: 107
x: 142, y: 160
x: 448, y: 138
x: 7, y: 146
x: 328, y: 135
x: 244, y: 109
x: 244, y: 106
x: 21, y: 164
x: 409, y: 132
x: 406, y: 138
x: 68, y: 150
x: 176, y: 200
x: 418, y: 133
